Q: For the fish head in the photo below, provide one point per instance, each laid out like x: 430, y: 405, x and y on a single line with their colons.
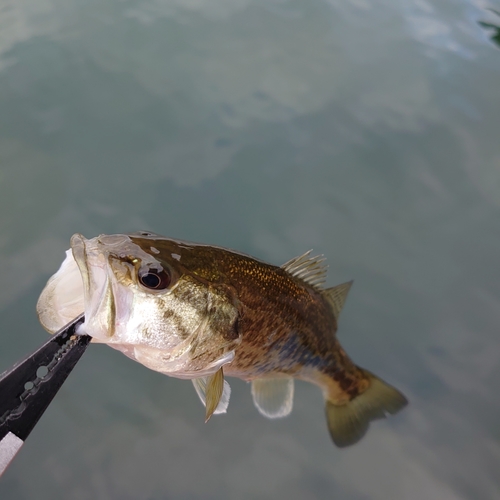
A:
x: 141, y: 297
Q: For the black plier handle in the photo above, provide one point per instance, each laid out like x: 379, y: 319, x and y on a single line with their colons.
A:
x: 27, y: 389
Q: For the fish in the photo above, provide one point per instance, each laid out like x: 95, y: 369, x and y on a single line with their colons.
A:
x: 204, y: 313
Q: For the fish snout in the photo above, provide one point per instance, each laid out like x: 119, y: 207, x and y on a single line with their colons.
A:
x: 113, y: 240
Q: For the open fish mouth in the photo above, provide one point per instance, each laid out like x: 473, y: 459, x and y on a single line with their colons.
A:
x: 100, y: 310
x: 62, y: 299
x: 81, y: 285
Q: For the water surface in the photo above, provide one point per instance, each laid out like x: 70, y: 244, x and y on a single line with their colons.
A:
x: 367, y: 131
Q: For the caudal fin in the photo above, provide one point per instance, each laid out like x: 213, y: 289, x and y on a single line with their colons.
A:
x: 349, y: 422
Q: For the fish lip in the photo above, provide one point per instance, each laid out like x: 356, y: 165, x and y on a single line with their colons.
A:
x: 98, y: 293
x: 77, y: 244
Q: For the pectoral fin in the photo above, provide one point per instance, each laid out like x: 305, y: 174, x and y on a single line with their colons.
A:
x: 273, y: 397
x: 214, y: 393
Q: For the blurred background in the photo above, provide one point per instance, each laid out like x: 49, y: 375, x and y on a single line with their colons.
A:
x: 368, y: 131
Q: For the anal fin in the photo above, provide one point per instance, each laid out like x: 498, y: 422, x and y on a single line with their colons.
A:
x: 214, y: 392
x: 273, y: 397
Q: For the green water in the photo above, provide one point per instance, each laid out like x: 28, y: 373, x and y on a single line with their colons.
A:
x: 367, y: 131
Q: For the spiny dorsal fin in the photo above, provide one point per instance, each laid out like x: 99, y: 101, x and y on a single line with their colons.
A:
x: 208, y: 389
x: 273, y: 397
x: 336, y: 296
x: 312, y: 270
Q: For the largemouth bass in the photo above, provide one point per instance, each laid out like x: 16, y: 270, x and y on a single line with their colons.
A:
x: 202, y: 312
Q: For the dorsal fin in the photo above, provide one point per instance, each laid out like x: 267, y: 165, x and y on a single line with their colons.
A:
x: 336, y: 296
x: 312, y: 270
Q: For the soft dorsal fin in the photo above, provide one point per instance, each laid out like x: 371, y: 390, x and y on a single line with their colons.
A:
x: 312, y: 270
x: 273, y: 397
x: 336, y: 296
x: 214, y: 393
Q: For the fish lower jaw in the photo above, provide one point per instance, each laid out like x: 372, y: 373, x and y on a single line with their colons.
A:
x: 95, y: 330
x: 106, y: 321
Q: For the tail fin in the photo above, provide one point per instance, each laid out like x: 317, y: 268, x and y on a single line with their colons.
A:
x: 349, y: 422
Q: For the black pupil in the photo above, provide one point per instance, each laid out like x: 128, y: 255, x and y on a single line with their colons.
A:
x: 154, y: 279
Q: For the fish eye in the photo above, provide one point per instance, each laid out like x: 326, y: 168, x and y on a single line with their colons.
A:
x: 154, y: 279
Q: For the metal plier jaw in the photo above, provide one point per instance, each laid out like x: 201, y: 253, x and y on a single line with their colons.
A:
x: 27, y: 389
